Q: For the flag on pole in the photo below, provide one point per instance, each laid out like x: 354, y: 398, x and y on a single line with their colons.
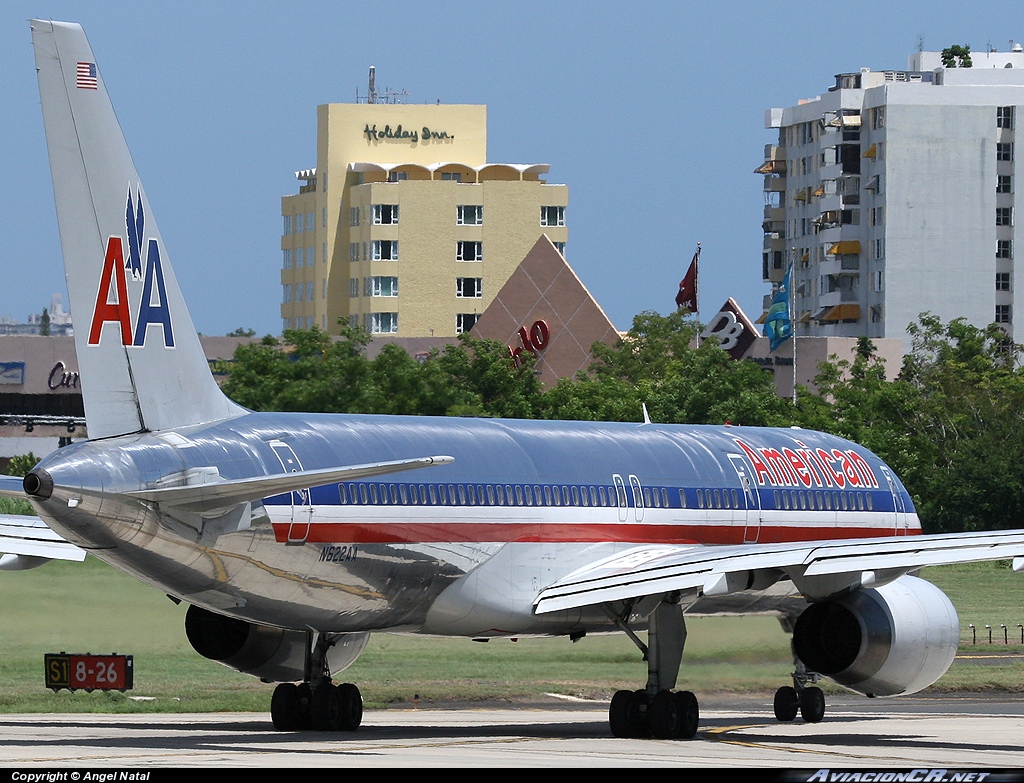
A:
x: 687, y: 296
x: 778, y: 325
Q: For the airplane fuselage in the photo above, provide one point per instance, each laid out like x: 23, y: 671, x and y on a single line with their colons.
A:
x: 523, y: 504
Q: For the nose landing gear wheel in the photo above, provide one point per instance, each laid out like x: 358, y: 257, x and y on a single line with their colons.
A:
x: 812, y: 705
x: 787, y: 704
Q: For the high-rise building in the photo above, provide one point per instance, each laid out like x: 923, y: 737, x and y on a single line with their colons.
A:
x: 403, y: 226
x: 894, y: 193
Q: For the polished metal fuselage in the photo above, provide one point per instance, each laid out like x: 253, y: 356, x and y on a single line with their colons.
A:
x: 317, y: 560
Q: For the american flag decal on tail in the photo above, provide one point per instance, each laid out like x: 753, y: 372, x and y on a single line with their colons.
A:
x: 87, y: 76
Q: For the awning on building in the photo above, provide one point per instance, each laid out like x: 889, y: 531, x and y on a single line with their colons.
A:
x: 846, y: 121
x: 771, y: 167
x: 870, y: 152
x: 845, y: 247
x: 843, y: 312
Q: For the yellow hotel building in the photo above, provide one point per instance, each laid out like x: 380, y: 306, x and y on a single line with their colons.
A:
x: 403, y: 227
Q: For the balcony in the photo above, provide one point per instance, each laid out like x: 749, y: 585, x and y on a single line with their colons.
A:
x: 774, y: 184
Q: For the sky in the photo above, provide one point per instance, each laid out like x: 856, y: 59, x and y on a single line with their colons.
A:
x: 652, y: 113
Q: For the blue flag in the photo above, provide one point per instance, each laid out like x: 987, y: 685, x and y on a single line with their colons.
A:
x: 778, y: 326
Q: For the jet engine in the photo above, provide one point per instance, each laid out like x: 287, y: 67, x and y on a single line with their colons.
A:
x: 272, y: 654
x: 894, y: 639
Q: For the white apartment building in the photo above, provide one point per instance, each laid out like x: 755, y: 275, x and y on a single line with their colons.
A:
x: 895, y: 193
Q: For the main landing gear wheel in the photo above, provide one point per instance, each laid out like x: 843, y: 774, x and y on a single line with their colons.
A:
x: 669, y: 715
x: 327, y: 708
x: 787, y: 704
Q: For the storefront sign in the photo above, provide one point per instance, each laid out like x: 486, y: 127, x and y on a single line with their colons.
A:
x: 733, y: 329
x: 12, y: 373
x: 62, y: 378
x: 533, y: 341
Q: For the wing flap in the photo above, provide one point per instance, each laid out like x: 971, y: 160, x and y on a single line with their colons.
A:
x: 31, y: 537
x: 207, y: 497
x: 650, y: 570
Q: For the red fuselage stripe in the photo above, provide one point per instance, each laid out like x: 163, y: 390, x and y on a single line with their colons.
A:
x: 503, y: 532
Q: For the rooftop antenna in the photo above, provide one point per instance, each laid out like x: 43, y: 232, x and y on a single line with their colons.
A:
x: 372, y: 96
x: 920, y: 43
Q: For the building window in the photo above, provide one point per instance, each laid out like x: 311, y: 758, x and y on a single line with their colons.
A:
x: 384, y: 250
x: 324, y: 253
x: 1004, y: 151
x: 878, y: 118
x: 560, y: 247
x: 469, y: 251
x: 287, y: 294
x: 1004, y: 216
x: 469, y: 287
x: 323, y: 217
x: 353, y: 287
x: 381, y: 286
x: 1004, y: 183
x: 465, y: 321
x: 382, y: 323
x: 309, y: 291
x: 353, y: 216
x: 287, y: 259
x: 451, y: 176
x: 1002, y: 281
x: 385, y: 214
x: 1004, y: 248
x: 552, y: 216
x: 287, y: 225
x: 878, y: 280
x: 876, y: 314
x: 469, y: 215
x: 1004, y: 117
x: 1002, y: 314
x: 398, y: 176
x: 353, y: 252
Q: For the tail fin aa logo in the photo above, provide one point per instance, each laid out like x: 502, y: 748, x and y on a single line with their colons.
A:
x: 112, y: 302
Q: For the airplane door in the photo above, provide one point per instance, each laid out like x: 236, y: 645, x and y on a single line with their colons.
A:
x: 898, y: 505
x: 620, y: 496
x: 751, y: 499
x: 638, y: 497
x: 301, y: 510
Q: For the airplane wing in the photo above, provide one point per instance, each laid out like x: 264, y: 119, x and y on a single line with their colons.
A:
x: 29, y: 537
x: 718, y: 570
x: 206, y: 497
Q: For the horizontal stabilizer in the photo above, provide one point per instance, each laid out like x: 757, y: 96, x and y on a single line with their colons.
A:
x: 207, y: 497
x: 29, y: 536
x: 651, y: 570
x: 12, y: 487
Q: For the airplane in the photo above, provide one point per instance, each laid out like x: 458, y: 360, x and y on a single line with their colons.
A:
x: 292, y: 537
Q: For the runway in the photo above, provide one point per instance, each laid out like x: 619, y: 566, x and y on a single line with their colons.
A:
x: 963, y: 733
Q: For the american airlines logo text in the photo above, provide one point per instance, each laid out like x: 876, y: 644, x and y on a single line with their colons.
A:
x: 805, y: 467
x: 112, y: 304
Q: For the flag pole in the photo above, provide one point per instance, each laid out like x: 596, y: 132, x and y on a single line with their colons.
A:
x: 792, y: 320
x: 696, y: 289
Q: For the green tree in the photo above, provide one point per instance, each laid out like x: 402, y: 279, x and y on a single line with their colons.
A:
x: 957, y: 56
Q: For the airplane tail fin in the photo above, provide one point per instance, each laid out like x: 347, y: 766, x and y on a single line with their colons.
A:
x: 141, y: 362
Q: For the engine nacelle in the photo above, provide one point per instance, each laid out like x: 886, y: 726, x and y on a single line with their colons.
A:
x: 272, y: 654
x: 894, y: 639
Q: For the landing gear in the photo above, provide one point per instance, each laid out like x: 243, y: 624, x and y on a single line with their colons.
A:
x: 803, y: 697
x: 657, y: 711
x: 317, y: 704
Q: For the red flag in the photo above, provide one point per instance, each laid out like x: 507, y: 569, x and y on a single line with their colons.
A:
x: 687, y: 296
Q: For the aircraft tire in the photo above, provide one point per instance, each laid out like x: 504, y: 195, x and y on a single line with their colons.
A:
x: 618, y: 710
x: 284, y: 707
x: 812, y: 705
x: 689, y: 714
x: 350, y: 702
x: 664, y: 716
x: 325, y: 708
x: 303, y: 696
x: 787, y: 704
